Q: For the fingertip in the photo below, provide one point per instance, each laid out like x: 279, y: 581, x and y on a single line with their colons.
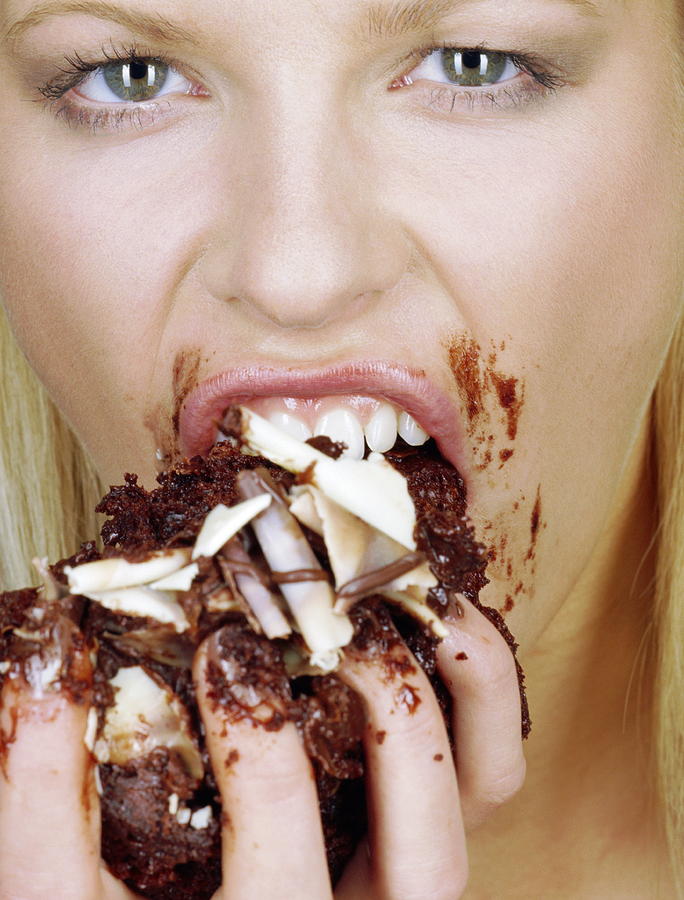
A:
x: 479, y: 670
x: 49, y: 806
x: 240, y: 678
x: 264, y: 776
x: 474, y: 656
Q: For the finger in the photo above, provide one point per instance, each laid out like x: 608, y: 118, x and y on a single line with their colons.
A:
x: 272, y: 835
x: 416, y: 832
x: 478, y: 668
x: 49, y: 811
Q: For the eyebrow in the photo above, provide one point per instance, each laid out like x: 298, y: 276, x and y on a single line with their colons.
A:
x: 399, y: 18
x: 153, y: 24
x: 393, y: 20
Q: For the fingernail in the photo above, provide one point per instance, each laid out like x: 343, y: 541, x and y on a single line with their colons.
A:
x: 51, y: 658
x: 246, y: 677
x: 455, y: 609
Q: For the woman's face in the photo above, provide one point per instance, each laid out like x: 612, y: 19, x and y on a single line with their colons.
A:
x: 489, y: 243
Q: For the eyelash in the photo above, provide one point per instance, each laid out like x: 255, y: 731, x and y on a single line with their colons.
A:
x: 442, y: 96
x: 77, y: 71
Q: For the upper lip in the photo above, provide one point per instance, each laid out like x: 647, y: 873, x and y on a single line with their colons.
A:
x: 407, y: 388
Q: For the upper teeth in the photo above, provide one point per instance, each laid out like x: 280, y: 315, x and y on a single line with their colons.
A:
x: 295, y: 427
x: 377, y: 429
x: 381, y: 429
x: 342, y: 425
x: 411, y: 431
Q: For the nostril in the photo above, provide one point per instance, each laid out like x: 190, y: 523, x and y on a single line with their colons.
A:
x: 286, y: 295
x: 301, y: 275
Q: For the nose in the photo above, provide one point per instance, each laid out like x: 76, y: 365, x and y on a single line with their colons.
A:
x: 308, y: 238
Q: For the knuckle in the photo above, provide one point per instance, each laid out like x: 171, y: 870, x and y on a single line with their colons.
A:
x: 502, y: 791
x: 487, y: 797
x: 506, y: 786
x: 445, y: 882
x: 283, y: 784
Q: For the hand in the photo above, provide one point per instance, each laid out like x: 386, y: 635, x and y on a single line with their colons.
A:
x: 419, y: 809
x: 272, y: 835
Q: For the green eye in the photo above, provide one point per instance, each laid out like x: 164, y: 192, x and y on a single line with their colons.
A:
x: 472, y: 68
x: 136, y: 80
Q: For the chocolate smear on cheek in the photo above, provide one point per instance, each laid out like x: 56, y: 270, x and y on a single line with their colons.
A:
x: 464, y: 358
x: 477, y: 381
x: 186, y: 367
x: 164, y: 426
x: 535, y: 522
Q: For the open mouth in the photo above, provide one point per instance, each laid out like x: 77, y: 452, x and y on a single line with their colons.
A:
x: 369, y: 407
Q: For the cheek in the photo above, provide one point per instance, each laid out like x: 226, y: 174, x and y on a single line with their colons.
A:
x: 560, y: 262
x: 91, y: 259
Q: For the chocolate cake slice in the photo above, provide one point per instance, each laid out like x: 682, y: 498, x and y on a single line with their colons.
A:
x: 289, y: 553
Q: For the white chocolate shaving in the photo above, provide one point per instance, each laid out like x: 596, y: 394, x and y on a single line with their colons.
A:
x: 326, y: 661
x: 50, y: 585
x: 369, y: 488
x: 264, y: 605
x: 26, y: 635
x: 222, y: 601
x: 145, y: 715
x: 143, y: 601
x: 267, y: 607
x: 183, y: 815
x: 311, y: 602
x: 354, y: 548
x: 114, y: 573
x: 225, y: 521
x: 177, y: 581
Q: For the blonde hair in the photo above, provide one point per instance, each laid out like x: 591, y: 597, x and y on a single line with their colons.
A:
x: 48, y: 486
x: 669, y: 600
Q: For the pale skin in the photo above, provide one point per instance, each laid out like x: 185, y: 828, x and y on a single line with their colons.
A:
x: 286, y: 208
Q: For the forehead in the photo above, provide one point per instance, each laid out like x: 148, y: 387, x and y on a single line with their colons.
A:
x: 368, y: 17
